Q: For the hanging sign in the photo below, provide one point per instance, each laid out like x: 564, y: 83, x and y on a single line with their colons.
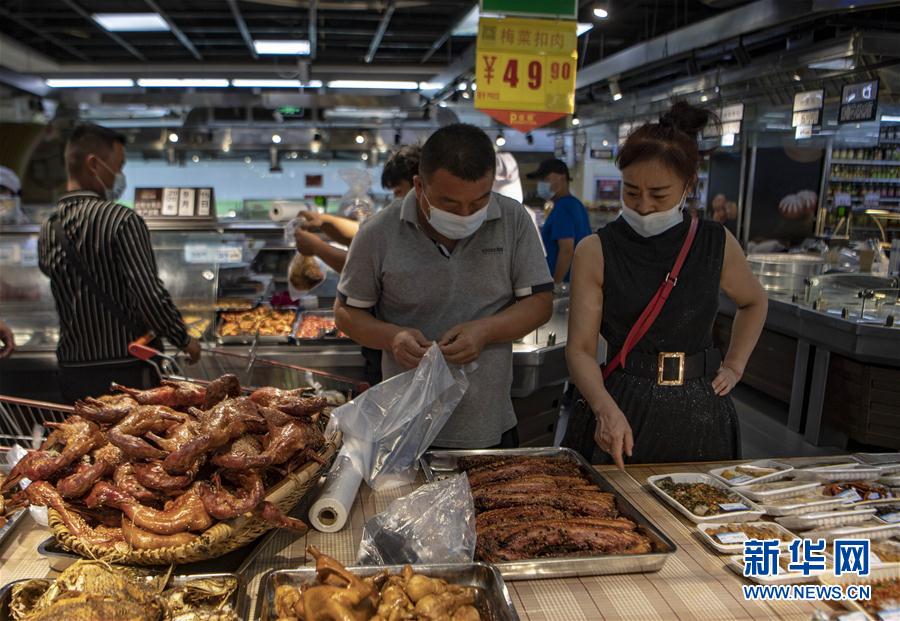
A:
x: 525, y: 69
x: 175, y: 203
x: 859, y: 102
x: 532, y: 8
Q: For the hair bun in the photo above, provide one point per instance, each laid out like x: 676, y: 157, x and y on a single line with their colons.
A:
x: 687, y: 118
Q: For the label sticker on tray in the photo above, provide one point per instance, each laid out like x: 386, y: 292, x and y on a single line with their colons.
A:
x: 730, y: 538
x: 733, y: 506
x: 890, y: 518
x: 741, y: 479
x: 854, y: 616
x: 850, y: 495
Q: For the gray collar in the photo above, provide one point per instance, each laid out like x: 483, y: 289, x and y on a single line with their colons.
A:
x: 410, y: 207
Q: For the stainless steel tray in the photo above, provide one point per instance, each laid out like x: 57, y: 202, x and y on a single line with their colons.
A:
x: 321, y: 340
x: 247, y: 339
x: 6, y: 590
x: 439, y: 464
x: 11, y: 523
x: 493, y: 597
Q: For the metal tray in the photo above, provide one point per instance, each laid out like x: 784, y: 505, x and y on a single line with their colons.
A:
x: 247, y: 339
x: 440, y: 464
x: 752, y: 512
x: 176, y: 580
x: 493, y: 597
x: 11, y: 523
x: 322, y: 340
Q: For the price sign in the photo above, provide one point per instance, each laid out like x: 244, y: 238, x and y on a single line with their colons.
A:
x: 526, y: 70
x: 859, y: 102
x: 10, y: 254
x: 871, y: 199
x: 213, y: 253
x: 842, y: 199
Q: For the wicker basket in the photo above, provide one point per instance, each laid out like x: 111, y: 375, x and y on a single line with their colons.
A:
x: 220, y: 539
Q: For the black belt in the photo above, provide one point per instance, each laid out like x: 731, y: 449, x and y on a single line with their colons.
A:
x: 673, y: 368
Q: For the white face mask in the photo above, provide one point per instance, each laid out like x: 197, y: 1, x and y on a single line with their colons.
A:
x: 544, y: 190
x: 656, y: 222
x: 114, y: 193
x: 451, y: 225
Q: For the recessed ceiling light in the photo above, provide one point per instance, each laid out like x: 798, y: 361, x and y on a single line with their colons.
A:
x: 704, y: 97
x: 131, y: 22
x: 276, y: 138
x: 89, y: 83
x: 431, y: 86
x: 245, y: 83
x: 195, y: 158
x: 289, y: 47
x: 364, y: 156
x: 360, y: 139
x: 500, y: 141
x: 173, y: 137
x: 601, y: 12
x: 181, y: 83
x: 247, y: 159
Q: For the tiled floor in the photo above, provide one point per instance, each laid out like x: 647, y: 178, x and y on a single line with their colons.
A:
x: 764, y: 431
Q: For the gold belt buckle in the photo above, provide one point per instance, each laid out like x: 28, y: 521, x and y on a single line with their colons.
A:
x: 667, y: 355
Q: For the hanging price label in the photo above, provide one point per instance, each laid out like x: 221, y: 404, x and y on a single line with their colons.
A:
x: 525, y: 70
x: 842, y: 199
x: 871, y: 199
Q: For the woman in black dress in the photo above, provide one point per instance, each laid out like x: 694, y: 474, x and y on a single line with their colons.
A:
x: 651, y: 410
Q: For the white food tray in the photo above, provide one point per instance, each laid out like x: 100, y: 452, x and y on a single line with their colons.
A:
x: 825, y: 519
x: 892, y: 503
x: 800, y: 489
x: 783, y: 471
x: 837, y: 470
x: 736, y: 564
x: 734, y: 548
x: 887, y: 571
x: 828, y: 503
x: 887, y: 463
x: 890, y: 480
x: 872, y: 530
x: 751, y: 513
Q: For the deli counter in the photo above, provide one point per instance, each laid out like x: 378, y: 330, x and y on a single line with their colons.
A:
x: 830, y: 349
x: 218, y: 271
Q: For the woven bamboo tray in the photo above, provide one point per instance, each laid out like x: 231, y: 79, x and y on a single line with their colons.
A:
x: 218, y: 540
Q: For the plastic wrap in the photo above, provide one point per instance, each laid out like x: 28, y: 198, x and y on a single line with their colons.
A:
x: 329, y: 513
x: 434, y: 524
x: 388, y: 428
x: 357, y: 203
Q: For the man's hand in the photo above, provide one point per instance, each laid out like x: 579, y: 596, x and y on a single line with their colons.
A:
x: 311, y: 220
x: 408, y: 347
x: 193, y: 351
x: 8, y: 345
x: 462, y: 344
x: 307, y: 243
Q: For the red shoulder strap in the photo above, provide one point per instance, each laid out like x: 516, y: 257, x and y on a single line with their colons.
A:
x: 651, y: 312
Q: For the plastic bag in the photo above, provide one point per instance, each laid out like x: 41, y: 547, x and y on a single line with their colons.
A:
x: 434, y: 524
x: 357, y: 203
x: 388, y: 428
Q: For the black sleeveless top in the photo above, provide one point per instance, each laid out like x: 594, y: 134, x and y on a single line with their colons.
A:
x: 634, y: 268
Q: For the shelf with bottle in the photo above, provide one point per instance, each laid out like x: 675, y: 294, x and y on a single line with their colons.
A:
x: 866, y: 162
x: 889, y: 134
x: 880, y: 153
x: 865, y: 171
x: 840, y: 179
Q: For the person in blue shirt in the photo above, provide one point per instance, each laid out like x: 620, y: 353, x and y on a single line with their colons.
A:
x: 567, y: 224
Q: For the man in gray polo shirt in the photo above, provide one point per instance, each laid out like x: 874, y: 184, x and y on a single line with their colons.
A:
x: 451, y: 262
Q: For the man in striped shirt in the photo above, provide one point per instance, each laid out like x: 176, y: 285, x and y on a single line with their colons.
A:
x: 103, y: 273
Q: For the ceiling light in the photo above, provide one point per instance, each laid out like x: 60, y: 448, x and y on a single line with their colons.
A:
x: 442, y: 104
x: 474, y: 87
x: 797, y: 77
x: 615, y: 91
x: 605, y: 143
x: 89, y: 83
x: 276, y: 138
x: 500, y: 140
x: 575, y: 120
x: 727, y: 140
x: 837, y: 64
x: 431, y: 86
x: 704, y: 97
x: 173, y: 137
x: 289, y: 47
x: 360, y: 139
x: 382, y: 148
x: 244, y: 83
x: 462, y: 86
x: 582, y: 28
x: 466, y: 95
x: 354, y: 112
x: 315, y: 146
x: 364, y: 156
x: 131, y: 22
x: 181, y: 83
x: 887, y: 118
x: 195, y: 158
x: 601, y: 11
x: 226, y: 148
x: 375, y: 84
x: 247, y: 159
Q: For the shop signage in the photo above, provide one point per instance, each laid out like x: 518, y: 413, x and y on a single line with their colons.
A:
x: 175, y: 203
x: 532, y: 8
x: 729, y: 124
x: 807, y: 111
x: 213, y: 253
x: 859, y: 102
x: 803, y: 131
x: 730, y: 114
x: 525, y: 70
x: 601, y: 154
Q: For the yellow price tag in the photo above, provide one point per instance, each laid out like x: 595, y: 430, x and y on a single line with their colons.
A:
x: 526, y: 65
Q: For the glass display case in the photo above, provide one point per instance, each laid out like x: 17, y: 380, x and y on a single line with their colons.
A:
x: 26, y: 302
x: 862, y: 298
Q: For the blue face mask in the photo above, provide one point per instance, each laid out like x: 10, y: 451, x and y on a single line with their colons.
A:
x: 114, y: 193
x: 544, y: 190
